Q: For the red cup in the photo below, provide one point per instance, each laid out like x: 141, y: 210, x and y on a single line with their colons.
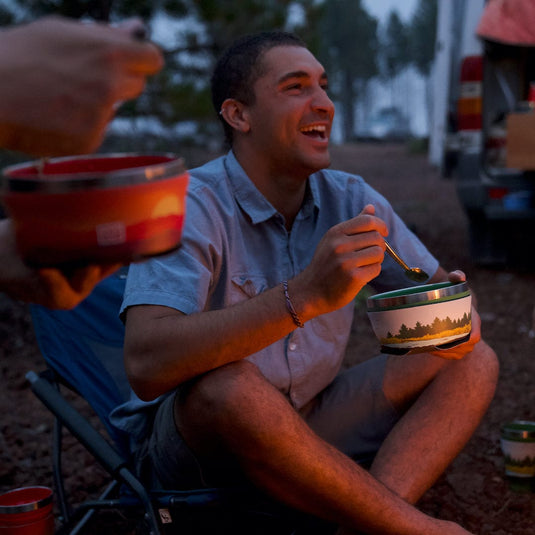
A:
x: 27, y: 511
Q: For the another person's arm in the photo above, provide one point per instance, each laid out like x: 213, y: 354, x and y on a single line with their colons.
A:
x: 63, y: 80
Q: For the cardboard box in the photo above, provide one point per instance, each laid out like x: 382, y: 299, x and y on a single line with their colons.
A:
x: 521, y: 140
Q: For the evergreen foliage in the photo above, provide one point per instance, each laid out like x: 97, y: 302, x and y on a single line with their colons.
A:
x: 341, y: 33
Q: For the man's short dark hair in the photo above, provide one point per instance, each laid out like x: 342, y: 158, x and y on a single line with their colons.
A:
x: 240, y: 66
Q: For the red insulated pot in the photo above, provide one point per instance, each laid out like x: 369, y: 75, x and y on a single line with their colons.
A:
x: 96, y: 209
x: 27, y: 511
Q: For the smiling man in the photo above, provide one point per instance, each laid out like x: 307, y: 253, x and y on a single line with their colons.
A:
x: 236, y: 341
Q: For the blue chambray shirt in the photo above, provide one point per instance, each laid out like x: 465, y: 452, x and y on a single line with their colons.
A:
x: 235, y: 246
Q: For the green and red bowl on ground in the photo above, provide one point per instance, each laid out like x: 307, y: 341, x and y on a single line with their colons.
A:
x: 518, y: 445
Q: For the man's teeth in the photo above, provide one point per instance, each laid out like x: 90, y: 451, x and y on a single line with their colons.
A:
x: 316, y: 128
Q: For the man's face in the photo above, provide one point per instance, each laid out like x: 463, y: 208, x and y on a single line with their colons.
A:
x: 292, y: 115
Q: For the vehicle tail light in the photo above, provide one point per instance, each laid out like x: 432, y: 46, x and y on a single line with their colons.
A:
x: 469, y: 106
x: 497, y: 193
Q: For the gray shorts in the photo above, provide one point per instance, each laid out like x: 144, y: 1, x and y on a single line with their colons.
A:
x: 352, y: 414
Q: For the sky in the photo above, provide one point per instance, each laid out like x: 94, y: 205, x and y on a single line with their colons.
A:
x: 381, y: 8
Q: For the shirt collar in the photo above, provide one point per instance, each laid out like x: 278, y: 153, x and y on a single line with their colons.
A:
x: 253, y: 203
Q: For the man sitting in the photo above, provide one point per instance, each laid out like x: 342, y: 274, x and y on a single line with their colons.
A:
x: 240, y: 335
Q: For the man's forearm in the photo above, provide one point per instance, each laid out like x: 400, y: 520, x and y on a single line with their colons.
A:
x: 164, y: 348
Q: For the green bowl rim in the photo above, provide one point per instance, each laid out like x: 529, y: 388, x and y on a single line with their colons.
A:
x: 519, y: 430
x: 417, y: 295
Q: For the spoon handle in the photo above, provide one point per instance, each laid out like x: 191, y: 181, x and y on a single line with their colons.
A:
x: 395, y: 256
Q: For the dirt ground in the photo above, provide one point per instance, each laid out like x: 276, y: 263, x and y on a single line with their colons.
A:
x: 473, y: 491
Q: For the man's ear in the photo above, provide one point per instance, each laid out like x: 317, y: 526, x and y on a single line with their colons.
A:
x: 236, y: 114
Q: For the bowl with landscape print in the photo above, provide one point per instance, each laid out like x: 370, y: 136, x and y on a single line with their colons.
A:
x: 99, y: 208
x: 421, y: 318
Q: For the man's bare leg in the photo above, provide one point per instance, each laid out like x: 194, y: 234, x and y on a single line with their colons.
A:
x: 454, y: 397
x: 234, y: 412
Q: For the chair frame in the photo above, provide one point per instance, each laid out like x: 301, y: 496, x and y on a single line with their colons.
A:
x: 156, y: 504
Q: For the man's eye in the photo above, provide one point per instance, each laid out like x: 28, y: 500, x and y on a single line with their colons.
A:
x: 294, y: 87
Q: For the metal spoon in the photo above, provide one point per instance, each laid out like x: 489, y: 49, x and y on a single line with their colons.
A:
x: 414, y: 273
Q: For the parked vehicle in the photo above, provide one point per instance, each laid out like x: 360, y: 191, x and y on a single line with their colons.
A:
x: 387, y: 124
x: 486, y: 140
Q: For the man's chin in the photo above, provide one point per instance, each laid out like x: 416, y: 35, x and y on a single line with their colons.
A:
x: 320, y: 162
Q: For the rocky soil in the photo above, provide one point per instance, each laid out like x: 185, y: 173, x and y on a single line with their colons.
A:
x: 473, y: 491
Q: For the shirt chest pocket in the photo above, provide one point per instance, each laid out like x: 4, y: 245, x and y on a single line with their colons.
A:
x: 245, y: 287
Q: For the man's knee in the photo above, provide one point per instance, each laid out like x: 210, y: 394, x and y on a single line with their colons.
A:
x: 483, y: 366
x: 405, y: 379
x: 231, y: 410
x: 220, y: 390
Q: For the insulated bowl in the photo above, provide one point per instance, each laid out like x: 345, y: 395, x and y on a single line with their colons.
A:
x: 421, y: 318
x: 518, y: 446
x: 96, y: 209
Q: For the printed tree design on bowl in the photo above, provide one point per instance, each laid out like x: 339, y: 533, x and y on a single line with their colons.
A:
x: 521, y: 466
x: 439, y: 328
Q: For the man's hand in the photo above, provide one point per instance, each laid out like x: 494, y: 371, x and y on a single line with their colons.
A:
x: 63, y: 81
x: 459, y: 351
x: 346, y: 259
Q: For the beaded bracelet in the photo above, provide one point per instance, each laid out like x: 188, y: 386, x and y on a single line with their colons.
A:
x: 290, y: 307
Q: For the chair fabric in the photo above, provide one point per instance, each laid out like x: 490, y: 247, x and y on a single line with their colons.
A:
x: 85, y: 347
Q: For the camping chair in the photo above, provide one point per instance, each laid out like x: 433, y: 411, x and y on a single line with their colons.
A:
x: 83, y: 351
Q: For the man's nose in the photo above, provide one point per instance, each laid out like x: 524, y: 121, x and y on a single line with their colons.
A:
x: 322, y: 102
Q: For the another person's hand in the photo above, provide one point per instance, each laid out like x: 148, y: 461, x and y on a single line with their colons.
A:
x: 63, y: 80
x: 48, y: 287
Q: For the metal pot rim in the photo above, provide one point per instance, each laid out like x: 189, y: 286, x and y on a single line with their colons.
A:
x: 519, y: 430
x: 423, y: 294
x: 171, y: 165
x: 30, y: 506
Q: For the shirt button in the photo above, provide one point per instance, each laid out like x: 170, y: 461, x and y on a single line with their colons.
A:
x: 292, y: 346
